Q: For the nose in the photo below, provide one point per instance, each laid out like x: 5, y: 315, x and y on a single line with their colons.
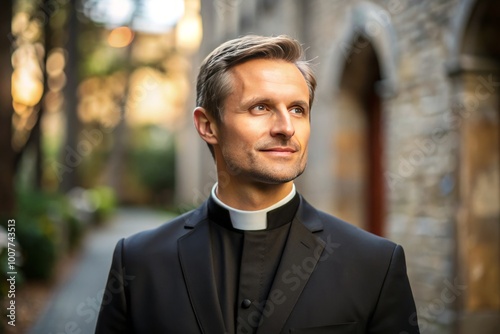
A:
x: 282, y: 125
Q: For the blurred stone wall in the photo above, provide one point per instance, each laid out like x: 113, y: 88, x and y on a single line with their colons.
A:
x: 431, y: 69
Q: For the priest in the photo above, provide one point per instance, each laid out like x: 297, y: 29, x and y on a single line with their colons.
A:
x: 256, y: 257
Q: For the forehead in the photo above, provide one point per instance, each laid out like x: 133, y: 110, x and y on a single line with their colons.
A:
x: 275, y: 76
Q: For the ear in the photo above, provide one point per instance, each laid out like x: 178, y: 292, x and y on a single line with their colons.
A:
x: 205, y: 125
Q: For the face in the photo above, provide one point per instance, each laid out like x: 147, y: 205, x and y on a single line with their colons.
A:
x: 265, y: 125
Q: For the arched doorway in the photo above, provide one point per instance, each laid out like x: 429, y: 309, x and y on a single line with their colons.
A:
x: 476, y: 115
x: 358, y: 140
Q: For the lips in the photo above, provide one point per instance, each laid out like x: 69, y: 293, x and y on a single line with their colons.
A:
x: 280, y: 149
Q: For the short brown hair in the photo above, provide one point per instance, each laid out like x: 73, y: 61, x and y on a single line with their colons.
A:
x: 213, y: 84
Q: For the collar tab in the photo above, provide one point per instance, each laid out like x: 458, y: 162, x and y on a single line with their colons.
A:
x: 268, y: 218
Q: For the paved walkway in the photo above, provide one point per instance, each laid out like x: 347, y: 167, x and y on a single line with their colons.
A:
x: 74, y: 306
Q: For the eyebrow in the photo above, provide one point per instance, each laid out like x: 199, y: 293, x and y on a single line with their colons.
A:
x: 256, y: 100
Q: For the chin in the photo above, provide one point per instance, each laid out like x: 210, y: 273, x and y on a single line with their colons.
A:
x: 278, y: 178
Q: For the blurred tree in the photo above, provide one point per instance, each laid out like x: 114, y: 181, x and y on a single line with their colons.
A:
x: 57, y: 31
x: 44, y: 12
x: 32, y: 145
x: 70, y: 180
x: 6, y: 111
x: 36, y: 132
x: 115, y: 165
x: 125, y: 83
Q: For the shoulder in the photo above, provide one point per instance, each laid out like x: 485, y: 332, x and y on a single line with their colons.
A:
x: 353, y: 240
x: 163, y: 239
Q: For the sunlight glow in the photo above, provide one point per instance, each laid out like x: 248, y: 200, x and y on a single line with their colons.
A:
x: 155, y: 98
x: 112, y: 12
x: 154, y: 16
x: 120, y: 37
x: 159, y: 15
x: 26, y: 89
x: 189, y: 32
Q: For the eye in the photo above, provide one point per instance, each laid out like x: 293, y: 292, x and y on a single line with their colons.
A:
x: 297, y: 110
x: 259, y: 108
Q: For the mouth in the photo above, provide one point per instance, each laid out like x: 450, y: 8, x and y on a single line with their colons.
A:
x: 280, y: 149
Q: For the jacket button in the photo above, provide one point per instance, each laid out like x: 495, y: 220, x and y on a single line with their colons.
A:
x: 246, y: 303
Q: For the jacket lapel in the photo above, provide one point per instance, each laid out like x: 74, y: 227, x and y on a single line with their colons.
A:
x: 300, y: 256
x: 195, y: 255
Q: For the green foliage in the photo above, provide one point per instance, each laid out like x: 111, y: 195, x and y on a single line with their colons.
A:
x: 75, y: 231
x: 153, y: 158
x: 37, y: 231
x: 38, y: 238
x: 155, y: 168
x: 46, y: 225
x: 104, y: 201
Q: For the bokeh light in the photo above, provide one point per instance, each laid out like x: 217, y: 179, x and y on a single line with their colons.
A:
x: 27, y: 89
x: 120, y: 37
x: 189, y: 33
x: 56, y: 61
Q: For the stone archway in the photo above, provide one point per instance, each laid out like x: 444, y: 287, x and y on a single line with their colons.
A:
x: 358, y: 78
x: 475, y: 72
x: 358, y: 141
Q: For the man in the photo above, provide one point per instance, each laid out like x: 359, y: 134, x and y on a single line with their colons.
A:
x: 256, y: 257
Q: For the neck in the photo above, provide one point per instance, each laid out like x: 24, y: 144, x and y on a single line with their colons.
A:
x: 252, y: 196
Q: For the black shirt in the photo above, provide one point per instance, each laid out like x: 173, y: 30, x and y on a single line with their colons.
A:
x: 245, y: 263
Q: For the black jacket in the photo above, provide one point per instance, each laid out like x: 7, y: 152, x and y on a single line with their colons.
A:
x: 333, y: 278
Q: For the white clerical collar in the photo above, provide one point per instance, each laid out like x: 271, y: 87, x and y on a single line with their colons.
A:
x: 250, y: 220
